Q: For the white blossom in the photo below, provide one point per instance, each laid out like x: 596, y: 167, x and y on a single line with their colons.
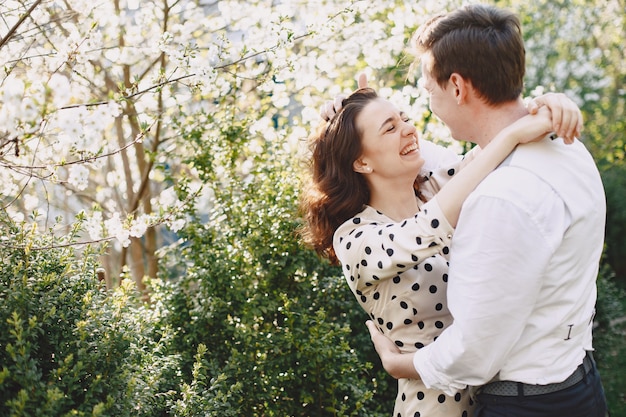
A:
x: 78, y: 176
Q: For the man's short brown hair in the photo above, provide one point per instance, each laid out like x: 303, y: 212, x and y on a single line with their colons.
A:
x: 481, y: 43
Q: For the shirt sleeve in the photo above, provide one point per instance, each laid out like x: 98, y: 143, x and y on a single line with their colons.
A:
x: 371, y: 251
x: 501, y: 246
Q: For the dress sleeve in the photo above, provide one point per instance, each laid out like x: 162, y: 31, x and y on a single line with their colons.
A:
x: 371, y: 249
x: 436, y: 156
x: 446, y: 164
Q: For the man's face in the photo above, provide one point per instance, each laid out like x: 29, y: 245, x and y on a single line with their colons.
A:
x: 441, y: 101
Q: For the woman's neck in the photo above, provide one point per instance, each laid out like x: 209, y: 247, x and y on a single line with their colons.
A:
x: 393, y: 202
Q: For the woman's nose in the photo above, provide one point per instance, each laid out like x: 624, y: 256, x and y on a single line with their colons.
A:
x: 409, y: 128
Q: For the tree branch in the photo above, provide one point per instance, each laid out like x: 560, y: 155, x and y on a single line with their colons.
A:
x: 12, y: 31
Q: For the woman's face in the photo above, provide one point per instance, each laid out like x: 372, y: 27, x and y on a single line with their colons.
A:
x: 389, y: 142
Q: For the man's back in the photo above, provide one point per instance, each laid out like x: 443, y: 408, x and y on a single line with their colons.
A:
x: 527, y: 250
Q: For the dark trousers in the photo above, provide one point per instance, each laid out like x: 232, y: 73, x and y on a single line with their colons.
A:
x: 585, y: 399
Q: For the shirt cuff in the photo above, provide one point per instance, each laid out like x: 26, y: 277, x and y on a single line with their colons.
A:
x: 432, y: 378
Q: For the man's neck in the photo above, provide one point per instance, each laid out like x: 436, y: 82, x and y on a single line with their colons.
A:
x: 490, y: 120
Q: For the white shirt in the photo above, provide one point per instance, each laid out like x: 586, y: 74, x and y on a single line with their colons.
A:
x: 524, y: 261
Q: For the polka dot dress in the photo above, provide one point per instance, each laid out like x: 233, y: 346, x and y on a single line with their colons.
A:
x: 398, y: 273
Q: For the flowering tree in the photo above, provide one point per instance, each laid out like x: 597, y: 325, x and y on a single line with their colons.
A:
x: 97, y: 96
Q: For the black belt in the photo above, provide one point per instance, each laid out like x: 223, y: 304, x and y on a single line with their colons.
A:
x: 514, y: 389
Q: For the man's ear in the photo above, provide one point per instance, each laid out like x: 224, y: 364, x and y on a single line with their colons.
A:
x: 460, y: 87
x: 361, y: 166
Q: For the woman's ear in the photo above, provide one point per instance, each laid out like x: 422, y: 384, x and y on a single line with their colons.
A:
x: 361, y: 166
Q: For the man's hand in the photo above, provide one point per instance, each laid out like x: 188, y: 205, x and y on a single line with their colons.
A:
x: 567, y: 120
x: 331, y: 107
x: 396, y: 363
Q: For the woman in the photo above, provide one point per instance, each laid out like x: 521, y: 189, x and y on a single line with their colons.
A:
x: 390, y: 231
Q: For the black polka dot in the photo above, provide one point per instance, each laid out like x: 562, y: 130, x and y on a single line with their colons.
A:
x: 439, y: 307
x: 380, y: 264
x: 445, y: 277
x: 457, y: 397
x: 376, y: 295
x: 451, y: 172
x: 396, y: 279
x: 414, y: 258
x: 419, y: 345
x: 428, y: 267
x: 418, y: 240
x: 420, y: 324
x: 364, y: 262
x: 356, y: 220
x: 389, y: 325
x: 368, y: 250
x: 446, y: 250
x: 420, y: 395
x: 432, y: 289
x: 408, y: 321
x: 434, y: 223
x: 403, y: 397
x: 390, y: 252
x: 358, y: 234
x: 348, y: 245
x: 363, y: 299
x: 439, y: 324
x: 415, y: 287
x: 441, y: 398
x: 391, y: 236
x: 404, y: 305
x: 380, y: 321
x: 399, y: 343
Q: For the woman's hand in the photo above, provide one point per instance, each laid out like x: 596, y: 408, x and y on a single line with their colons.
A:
x: 567, y: 120
x: 331, y: 107
x: 532, y: 127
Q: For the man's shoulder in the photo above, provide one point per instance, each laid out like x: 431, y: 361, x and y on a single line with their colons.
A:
x: 511, y: 182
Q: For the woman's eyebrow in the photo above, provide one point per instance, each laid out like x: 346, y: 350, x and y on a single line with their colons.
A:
x: 390, y: 119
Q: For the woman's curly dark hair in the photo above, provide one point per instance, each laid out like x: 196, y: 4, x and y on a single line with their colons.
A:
x: 335, y: 192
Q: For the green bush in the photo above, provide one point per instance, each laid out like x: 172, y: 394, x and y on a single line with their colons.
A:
x: 66, y: 346
x: 265, y: 327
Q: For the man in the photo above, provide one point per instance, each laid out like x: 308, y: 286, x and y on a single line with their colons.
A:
x: 526, y: 250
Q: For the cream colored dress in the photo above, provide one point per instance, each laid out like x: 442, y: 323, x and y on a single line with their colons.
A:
x: 398, y: 273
